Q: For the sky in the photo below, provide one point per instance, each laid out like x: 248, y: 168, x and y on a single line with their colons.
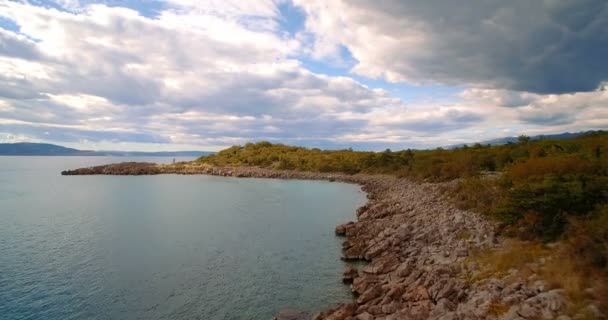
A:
x: 369, y: 75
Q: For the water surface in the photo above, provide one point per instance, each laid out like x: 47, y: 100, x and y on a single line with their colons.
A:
x: 165, y: 247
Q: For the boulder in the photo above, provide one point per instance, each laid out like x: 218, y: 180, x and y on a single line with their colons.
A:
x: 349, y: 275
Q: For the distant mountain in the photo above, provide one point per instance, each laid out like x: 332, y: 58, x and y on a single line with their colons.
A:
x: 46, y: 149
x: 505, y: 140
x: 36, y: 149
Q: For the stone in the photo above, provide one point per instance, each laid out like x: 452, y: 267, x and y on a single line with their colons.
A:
x: 420, y: 310
x: 461, y: 253
x: 448, y: 316
x: 404, y: 269
x: 364, y: 316
x: 382, y: 265
x: 349, y: 275
x: 290, y: 314
x: 421, y: 293
x: 342, y: 312
x: 408, y: 232
x: 341, y: 229
x: 369, y: 294
x: 527, y: 311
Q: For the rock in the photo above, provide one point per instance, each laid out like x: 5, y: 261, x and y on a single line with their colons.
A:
x: 394, y: 292
x: 527, y: 311
x: 420, y: 310
x: 361, y: 284
x: 550, y: 303
x: 364, y: 316
x: 403, y: 232
x: 341, y: 229
x: 418, y: 294
x: 462, y: 253
x: 513, y: 298
x: 341, y: 312
x: 409, y: 234
x: 404, y: 269
x: 390, y: 308
x: 593, y: 310
x: 382, y: 265
x: 448, y: 316
x: 350, y: 274
x: 369, y: 294
x: 290, y: 314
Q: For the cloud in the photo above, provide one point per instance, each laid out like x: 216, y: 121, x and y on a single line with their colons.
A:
x: 539, y: 46
x: 205, y: 75
x: 179, y: 78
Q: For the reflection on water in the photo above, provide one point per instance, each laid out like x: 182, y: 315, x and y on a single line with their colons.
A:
x: 165, y: 247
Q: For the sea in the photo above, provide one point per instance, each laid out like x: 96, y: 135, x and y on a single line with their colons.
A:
x: 166, y: 246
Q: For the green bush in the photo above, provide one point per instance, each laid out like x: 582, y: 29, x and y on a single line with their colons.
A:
x: 544, y: 182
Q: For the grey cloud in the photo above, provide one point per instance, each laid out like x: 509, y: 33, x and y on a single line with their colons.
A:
x: 18, y: 89
x: 165, y: 84
x: 63, y: 134
x: 463, y: 116
x: 548, y: 119
x: 12, y: 45
x: 535, y: 46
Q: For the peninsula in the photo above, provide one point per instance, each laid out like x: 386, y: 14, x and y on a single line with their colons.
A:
x: 516, y: 231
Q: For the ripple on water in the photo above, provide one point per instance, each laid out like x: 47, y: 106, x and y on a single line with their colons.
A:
x: 166, y: 247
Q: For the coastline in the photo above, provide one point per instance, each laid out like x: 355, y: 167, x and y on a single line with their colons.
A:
x: 415, y: 242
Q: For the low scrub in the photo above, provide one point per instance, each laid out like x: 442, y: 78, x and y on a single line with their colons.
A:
x: 542, y: 185
x: 538, y: 190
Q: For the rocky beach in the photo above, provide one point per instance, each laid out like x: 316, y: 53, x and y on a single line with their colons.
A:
x: 417, y: 248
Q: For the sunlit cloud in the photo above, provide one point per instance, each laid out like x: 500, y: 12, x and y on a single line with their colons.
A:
x: 184, y: 74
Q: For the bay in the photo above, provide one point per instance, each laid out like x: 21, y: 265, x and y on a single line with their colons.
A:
x: 167, y: 246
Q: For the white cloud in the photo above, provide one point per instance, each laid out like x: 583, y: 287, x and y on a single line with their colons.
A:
x: 216, y: 73
x: 539, y: 46
x: 178, y: 78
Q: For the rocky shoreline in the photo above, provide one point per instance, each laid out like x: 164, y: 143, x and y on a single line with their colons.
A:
x: 416, y: 244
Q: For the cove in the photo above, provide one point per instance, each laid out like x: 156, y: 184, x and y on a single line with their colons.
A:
x: 166, y: 246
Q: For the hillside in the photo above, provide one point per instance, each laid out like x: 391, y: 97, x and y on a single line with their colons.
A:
x: 38, y: 149
x: 45, y: 149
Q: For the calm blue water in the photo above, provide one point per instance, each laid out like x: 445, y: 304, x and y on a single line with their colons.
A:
x: 165, y: 247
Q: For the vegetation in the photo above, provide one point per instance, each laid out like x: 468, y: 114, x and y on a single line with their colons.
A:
x: 559, y: 265
x: 538, y: 190
x: 544, y: 183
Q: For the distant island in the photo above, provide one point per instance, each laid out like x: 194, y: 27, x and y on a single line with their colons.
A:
x: 46, y: 149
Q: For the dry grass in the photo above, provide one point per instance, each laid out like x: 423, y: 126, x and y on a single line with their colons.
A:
x: 558, y: 266
x: 464, y: 235
x: 513, y: 255
x: 497, y: 309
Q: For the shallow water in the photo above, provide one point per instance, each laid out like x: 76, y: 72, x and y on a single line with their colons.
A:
x: 165, y: 247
